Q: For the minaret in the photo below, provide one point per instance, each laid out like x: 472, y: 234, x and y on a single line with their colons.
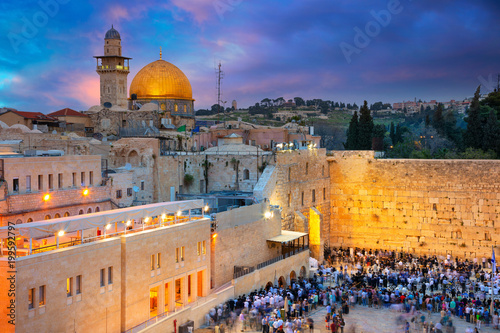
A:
x: 113, y: 70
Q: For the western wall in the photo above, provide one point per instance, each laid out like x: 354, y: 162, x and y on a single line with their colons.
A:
x: 419, y: 206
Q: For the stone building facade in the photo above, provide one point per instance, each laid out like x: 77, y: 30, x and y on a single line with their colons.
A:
x: 27, y: 180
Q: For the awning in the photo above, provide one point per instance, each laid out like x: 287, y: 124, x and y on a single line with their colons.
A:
x: 287, y: 236
x: 99, y: 219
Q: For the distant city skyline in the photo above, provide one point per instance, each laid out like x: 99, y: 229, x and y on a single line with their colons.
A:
x: 390, y: 51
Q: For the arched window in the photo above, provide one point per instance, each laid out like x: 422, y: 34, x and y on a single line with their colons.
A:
x: 66, y: 214
x: 29, y: 220
x: 57, y: 216
x: 47, y: 217
x: 19, y: 221
x: 80, y: 212
x: 97, y: 209
x: 89, y: 210
x: 246, y: 174
x: 176, y: 108
x: 185, y: 108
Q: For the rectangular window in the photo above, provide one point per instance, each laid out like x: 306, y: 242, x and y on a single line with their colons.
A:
x: 41, y: 295
x: 289, y: 174
x: 91, y: 178
x: 182, y: 253
x: 31, y: 298
x: 158, y: 260
x: 28, y: 183
x: 15, y: 184
x: 302, y: 198
x: 176, y: 254
x: 51, y: 182
x: 198, y: 248
x: 313, y: 195
x: 74, y: 179
x: 78, y: 284
x: 289, y: 199
x: 103, y: 277
x: 60, y: 180
x: 204, y: 247
x: 82, y: 178
x: 118, y: 194
x: 110, y: 275
x: 40, y: 182
x: 152, y: 262
x: 324, y: 193
x: 129, y: 192
x: 142, y: 185
x: 69, y: 287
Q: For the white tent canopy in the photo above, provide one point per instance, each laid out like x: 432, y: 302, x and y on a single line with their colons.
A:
x: 99, y: 219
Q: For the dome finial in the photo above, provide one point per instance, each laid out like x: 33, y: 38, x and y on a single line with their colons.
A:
x: 160, y: 52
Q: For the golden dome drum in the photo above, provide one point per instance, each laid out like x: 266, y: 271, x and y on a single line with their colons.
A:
x: 161, y: 80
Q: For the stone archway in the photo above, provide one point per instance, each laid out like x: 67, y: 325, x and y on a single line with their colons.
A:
x: 268, y: 285
x: 293, y: 277
x: 282, y: 282
x: 303, y: 272
x: 134, y: 159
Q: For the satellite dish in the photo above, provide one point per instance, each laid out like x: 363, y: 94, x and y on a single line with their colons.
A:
x: 107, y: 105
x: 136, y: 189
x: 128, y: 166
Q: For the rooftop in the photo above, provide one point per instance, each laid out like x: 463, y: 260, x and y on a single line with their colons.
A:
x: 67, y: 112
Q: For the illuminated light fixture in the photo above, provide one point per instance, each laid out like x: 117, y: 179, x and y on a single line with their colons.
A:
x: 214, y: 236
x: 128, y: 222
x: 267, y: 215
x: 86, y: 192
x: 163, y: 216
x: 206, y: 208
x: 179, y: 213
x: 315, y: 145
x: 46, y: 197
x: 108, y: 226
x: 146, y: 219
x: 60, y: 233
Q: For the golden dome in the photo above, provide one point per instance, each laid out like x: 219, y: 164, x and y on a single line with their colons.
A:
x: 161, y: 80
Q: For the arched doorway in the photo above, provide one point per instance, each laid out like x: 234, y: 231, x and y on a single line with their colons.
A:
x: 293, y: 277
x: 282, y: 282
x: 268, y: 285
x: 302, y: 273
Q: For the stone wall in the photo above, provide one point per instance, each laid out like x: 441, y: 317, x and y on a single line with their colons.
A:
x: 420, y: 206
x: 242, y: 240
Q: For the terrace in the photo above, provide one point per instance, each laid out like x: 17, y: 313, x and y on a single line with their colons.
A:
x: 38, y: 237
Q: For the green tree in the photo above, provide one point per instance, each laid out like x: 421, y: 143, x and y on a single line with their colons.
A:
x: 438, y: 119
x: 352, y: 133
x: 427, y: 121
x: 473, y: 134
x: 392, y: 134
x: 299, y: 101
x: 365, y: 128
x: 491, y: 133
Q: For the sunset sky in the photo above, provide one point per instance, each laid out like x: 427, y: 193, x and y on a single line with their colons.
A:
x: 341, y: 50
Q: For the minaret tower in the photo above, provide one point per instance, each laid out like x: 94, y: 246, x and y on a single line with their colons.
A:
x: 113, y: 70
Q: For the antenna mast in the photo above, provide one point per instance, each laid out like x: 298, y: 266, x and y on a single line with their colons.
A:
x: 220, y: 76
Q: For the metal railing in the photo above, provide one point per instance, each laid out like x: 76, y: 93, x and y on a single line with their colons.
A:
x: 248, y: 270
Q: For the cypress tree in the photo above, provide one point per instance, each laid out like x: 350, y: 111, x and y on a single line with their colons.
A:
x: 438, y: 119
x: 352, y: 133
x: 392, y: 134
x: 473, y: 134
x: 365, y: 128
x: 491, y: 133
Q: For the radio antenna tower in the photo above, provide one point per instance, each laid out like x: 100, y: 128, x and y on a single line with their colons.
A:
x: 220, y: 76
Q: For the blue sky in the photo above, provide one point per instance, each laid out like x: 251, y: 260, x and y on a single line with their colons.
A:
x: 341, y: 50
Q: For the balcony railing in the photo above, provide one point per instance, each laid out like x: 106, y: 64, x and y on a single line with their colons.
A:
x: 248, y: 270
x: 108, y: 67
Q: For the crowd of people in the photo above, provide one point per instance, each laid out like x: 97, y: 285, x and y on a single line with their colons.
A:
x: 417, y: 286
